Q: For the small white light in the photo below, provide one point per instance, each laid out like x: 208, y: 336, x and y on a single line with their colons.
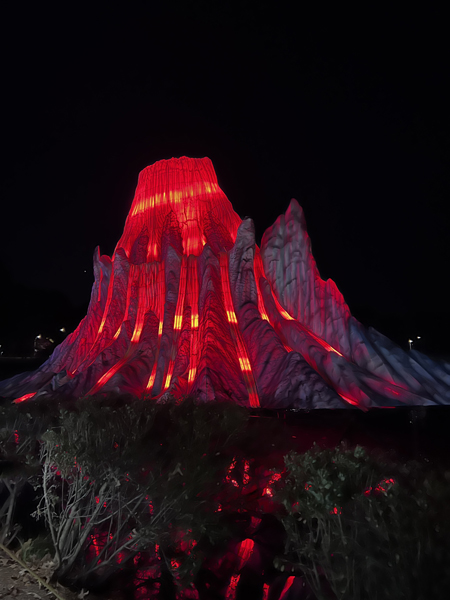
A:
x: 63, y: 330
x: 39, y: 336
x: 418, y: 337
x: 410, y: 341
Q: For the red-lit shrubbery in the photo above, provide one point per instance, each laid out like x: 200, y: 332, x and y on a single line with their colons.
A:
x: 196, y: 499
x: 363, y: 526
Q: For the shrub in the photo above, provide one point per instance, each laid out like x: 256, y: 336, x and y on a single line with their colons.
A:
x: 19, y: 465
x: 132, y: 479
x: 360, y: 526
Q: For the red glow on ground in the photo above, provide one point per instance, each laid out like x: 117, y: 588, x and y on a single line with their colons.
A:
x: 229, y: 477
x: 95, y: 544
x: 246, y: 477
x: 244, y: 551
x: 382, y: 487
x: 268, y: 491
x: 230, y: 469
x: 231, y: 591
x: 290, y: 580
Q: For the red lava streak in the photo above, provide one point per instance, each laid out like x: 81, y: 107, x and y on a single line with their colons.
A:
x: 188, y: 304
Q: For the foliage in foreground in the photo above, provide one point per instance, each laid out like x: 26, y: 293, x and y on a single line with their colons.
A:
x: 360, y: 526
x: 131, y: 485
x: 19, y: 466
x: 118, y: 482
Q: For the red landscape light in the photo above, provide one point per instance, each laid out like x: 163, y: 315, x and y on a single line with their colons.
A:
x: 24, y: 397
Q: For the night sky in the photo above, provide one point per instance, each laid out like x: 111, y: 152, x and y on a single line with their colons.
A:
x: 348, y: 112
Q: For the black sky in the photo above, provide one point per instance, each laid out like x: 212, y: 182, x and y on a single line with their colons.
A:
x: 345, y: 111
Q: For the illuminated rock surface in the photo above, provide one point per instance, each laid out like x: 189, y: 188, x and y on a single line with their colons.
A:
x: 189, y: 304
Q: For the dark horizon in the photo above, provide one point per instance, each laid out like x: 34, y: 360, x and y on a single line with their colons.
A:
x: 346, y: 113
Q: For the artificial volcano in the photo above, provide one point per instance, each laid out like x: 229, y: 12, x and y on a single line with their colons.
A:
x: 189, y: 304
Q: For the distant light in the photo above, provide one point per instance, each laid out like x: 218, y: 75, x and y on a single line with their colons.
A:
x: 418, y: 337
x: 410, y: 341
x: 85, y: 271
x: 38, y: 336
x: 52, y: 341
x: 63, y: 330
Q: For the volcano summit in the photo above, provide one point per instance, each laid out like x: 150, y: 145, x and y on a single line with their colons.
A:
x: 188, y: 304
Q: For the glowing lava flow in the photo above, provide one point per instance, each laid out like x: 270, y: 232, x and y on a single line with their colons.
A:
x: 178, y: 322
x: 242, y: 355
x: 288, y: 317
x: 24, y: 397
x: 193, y: 303
x: 189, y: 304
x: 289, y: 581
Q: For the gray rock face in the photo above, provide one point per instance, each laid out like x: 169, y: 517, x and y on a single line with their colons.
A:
x: 189, y: 304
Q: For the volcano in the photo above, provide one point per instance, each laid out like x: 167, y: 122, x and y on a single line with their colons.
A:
x: 188, y: 304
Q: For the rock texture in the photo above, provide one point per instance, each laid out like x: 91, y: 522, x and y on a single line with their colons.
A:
x: 189, y: 304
